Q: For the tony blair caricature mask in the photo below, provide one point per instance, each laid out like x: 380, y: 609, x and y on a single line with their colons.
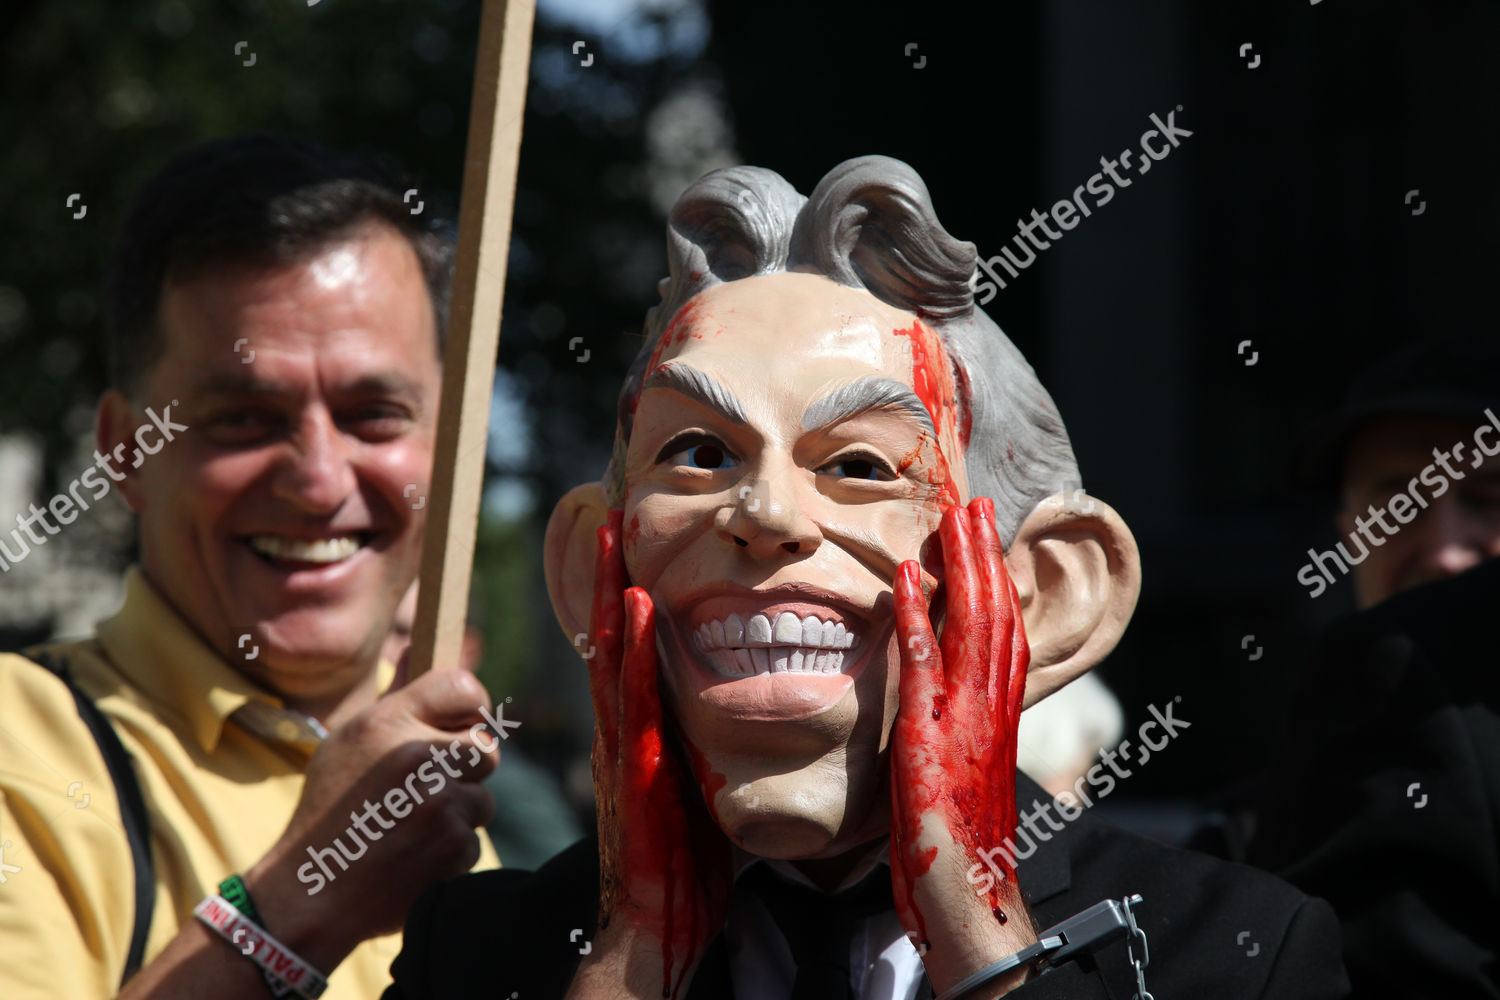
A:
x: 817, y: 387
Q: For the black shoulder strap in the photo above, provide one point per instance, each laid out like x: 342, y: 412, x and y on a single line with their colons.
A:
x: 132, y: 807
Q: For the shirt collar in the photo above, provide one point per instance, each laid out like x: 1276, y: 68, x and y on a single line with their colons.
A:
x: 154, y: 648
x: 875, y: 854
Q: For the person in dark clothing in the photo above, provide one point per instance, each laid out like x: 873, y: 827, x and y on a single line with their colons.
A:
x: 1387, y: 799
x: 1214, y: 929
x: 1396, y: 824
x: 823, y: 449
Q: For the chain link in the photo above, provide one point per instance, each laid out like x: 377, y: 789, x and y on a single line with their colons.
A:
x: 1145, y: 959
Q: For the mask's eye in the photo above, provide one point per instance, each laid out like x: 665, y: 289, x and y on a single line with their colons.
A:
x: 860, y: 466
x: 697, y: 451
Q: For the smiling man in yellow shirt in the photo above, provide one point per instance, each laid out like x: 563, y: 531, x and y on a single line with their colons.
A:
x: 275, y: 318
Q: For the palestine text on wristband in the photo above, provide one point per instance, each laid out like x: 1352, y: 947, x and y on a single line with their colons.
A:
x: 260, y: 947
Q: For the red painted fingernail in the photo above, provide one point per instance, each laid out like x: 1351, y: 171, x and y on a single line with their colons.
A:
x: 986, y: 508
x: 912, y: 573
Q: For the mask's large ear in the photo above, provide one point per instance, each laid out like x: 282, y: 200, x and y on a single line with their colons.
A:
x: 568, y: 555
x: 1078, y: 573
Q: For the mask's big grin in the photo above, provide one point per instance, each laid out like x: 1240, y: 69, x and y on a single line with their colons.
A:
x: 735, y: 647
x: 768, y: 655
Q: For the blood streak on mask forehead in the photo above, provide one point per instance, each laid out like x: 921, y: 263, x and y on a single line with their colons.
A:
x: 932, y: 380
x: 678, y: 331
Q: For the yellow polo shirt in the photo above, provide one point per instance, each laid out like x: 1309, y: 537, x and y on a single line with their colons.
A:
x: 218, y: 797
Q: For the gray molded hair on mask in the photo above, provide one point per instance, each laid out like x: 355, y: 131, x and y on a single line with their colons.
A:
x: 869, y: 224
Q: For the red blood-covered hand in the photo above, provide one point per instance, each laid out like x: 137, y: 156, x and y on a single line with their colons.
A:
x: 664, y: 865
x: 953, y: 754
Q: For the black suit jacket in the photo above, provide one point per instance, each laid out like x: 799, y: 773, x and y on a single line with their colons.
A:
x: 1216, y: 930
x: 1394, y: 813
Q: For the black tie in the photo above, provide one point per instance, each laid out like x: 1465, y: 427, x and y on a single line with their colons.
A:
x: 819, y: 928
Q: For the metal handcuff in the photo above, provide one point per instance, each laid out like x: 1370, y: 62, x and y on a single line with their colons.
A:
x: 1084, y: 933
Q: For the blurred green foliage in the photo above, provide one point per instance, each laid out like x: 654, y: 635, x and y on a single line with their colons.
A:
x: 508, y: 564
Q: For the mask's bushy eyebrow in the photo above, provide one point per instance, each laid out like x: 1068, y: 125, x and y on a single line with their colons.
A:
x: 869, y: 393
x: 699, y: 386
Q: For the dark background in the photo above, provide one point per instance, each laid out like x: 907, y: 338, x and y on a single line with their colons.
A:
x: 1283, y: 221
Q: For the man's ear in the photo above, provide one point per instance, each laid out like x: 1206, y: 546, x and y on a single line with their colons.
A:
x: 568, y: 555
x: 1078, y: 573
x: 114, y: 428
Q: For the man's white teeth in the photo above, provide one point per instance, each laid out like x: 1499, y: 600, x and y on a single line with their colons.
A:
x: 324, y: 550
x: 737, y: 648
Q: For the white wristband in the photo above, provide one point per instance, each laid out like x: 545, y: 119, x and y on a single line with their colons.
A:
x: 278, y: 961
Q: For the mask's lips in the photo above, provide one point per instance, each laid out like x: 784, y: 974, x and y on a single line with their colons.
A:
x: 775, y: 696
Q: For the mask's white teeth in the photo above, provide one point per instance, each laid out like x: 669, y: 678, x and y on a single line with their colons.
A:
x: 733, y: 632
x: 760, y: 657
x: 774, y: 660
x: 787, y: 629
x: 735, y: 647
x: 323, y: 550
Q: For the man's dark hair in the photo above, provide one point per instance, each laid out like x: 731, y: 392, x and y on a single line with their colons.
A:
x: 260, y: 199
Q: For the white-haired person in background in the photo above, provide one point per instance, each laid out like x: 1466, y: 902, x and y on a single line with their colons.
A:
x: 1061, y: 737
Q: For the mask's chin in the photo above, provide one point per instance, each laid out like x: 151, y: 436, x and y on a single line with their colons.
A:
x: 816, y: 812
x: 807, y: 786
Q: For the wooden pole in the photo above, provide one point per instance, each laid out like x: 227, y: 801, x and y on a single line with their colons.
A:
x: 484, y: 216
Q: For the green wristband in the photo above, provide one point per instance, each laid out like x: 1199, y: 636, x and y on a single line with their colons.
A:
x: 234, y: 892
